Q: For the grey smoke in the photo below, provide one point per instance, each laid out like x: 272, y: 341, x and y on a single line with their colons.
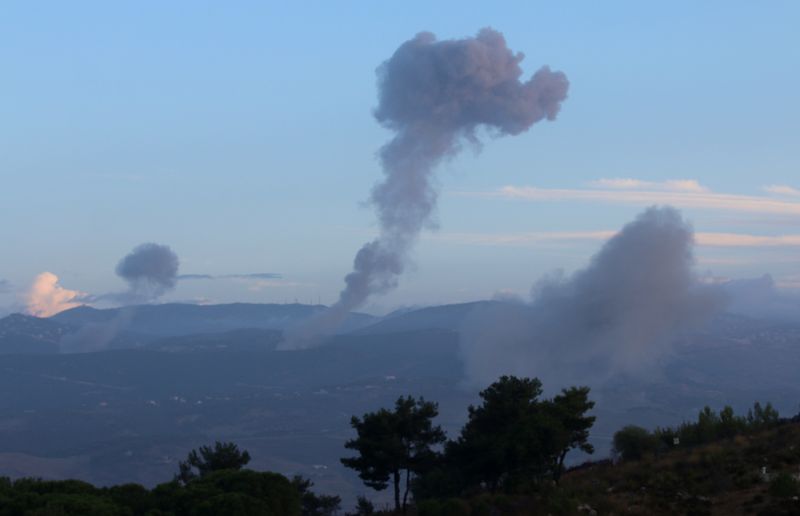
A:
x: 434, y: 95
x: 618, y: 315
x: 97, y: 336
x: 150, y: 270
x: 5, y: 286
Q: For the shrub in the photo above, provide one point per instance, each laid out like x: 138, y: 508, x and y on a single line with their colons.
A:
x: 784, y: 485
x: 634, y: 442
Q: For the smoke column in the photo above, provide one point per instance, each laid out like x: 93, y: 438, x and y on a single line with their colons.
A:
x: 433, y: 95
x: 618, y: 315
x: 150, y: 270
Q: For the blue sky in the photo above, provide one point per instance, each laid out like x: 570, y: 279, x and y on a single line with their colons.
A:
x: 241, y: 135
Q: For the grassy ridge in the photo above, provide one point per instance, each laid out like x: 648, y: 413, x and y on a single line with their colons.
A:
x: 721, y: 478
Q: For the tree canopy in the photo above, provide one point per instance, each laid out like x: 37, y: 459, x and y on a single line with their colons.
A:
x: 207, y: 459
x: 390, y: 443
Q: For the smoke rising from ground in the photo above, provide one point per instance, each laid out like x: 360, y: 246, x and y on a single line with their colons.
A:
x: 434, y: 95
x: 47, y: 297
x: 615, y: 316
x: 150, y: 270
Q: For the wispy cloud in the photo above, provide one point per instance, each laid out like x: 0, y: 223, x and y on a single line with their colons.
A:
x: 184, y: 277
x: 519, y: 238
x: 254, y: 275
x: 788, y: 191
x: 684, y: 199
x: 5, y: 286
x: 745, y: 240
x: 671, y: 185
x: 533, y: 238
x: 257, y: 285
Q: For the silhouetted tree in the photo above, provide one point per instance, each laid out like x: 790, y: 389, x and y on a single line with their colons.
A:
x: 759, y: 418
x: 363, y: 508
x: 512, y: 436
x: 314, y: 504
x: 570, y: 409
x: 392, y: 442
x: 206, y: 459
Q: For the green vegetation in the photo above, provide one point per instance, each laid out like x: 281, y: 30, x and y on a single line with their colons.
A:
x: 507, y: 460
x: 634, y: 442
x: 212, y: 481
x: 514, y: 440
x: 392, y: 442
x: 221, y: 492
x: 206, y: 460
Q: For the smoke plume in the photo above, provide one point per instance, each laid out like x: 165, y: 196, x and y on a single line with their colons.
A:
x: 618, y: 315
x: 47, y: 297
x: 150, y: 270
x: 97, y: 336
x: 434, y: 95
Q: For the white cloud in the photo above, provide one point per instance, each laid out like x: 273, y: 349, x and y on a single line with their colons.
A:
x: 47, y: 297
x: 782, y: 190
x: 672, y: 185
x: 533, y: 238
x: 744, y: 240
x: 519, y: 238
x: 682, y: 199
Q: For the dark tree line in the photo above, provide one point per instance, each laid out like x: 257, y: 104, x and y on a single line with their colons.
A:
x: 634, y: 442
x: 211, y: 481
x: 513, y: 439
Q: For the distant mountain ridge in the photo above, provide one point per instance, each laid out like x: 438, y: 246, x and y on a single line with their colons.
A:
x: 31, y: 335
x: 442, y: 317
x: 176, y: 319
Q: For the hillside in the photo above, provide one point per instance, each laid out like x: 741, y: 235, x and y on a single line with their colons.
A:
x: 720, y: 478
x: 171, y: 319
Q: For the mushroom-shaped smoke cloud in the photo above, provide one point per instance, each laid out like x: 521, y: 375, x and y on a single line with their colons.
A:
x: 150, y: 270
x: 434, y: 94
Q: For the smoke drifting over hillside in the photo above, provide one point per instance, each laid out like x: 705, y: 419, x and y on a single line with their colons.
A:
x: 435, y: 94
x: 150, y: 270
x: 615, y: 316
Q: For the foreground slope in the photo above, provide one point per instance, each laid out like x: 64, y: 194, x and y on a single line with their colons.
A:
x: 726, y: 477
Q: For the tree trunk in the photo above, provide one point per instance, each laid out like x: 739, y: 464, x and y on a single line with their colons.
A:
x: 397, y: 490
x: 559, y: 467
x: 405, y: 495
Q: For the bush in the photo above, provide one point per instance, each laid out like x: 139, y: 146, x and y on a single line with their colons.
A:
x: 634, y: 442
x: 448, y: 507
x: 784, y: 485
